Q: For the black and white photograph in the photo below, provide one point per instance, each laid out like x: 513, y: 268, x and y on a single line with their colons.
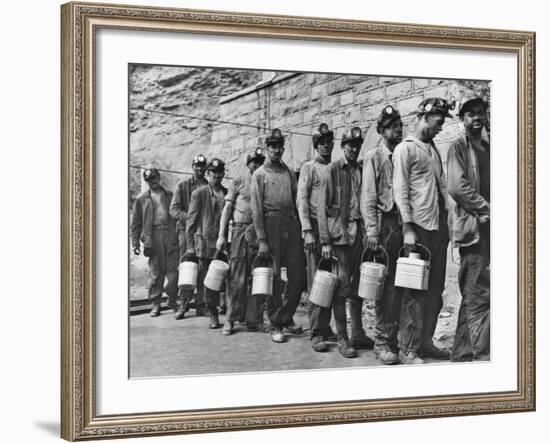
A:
x: 282, y: 221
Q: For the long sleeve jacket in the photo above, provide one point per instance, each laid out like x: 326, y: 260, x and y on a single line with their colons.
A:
x: 336, y: 224
x: 417, y: 184
x: 377, y: 188
x: 181, y: 199
x: 203, y: 221
x: 467, y: 204
x: 143, y: 214
x: 269, y: 194
x: 309, y: 187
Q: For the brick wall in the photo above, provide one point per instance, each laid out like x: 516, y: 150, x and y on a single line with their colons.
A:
x: 300, y: 102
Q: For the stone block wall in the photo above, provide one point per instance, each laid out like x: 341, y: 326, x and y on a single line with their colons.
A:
x: 298, y: 103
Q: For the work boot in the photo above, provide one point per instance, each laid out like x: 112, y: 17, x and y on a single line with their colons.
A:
x: 410, y: 358
x: 227, y: 328
x: 277, y: 335
x: 173, y: 304
x: 361, y: 341
x: 385, y: 355
x: 183, y: 307
x: 330, y: 336
x: 214, y: 322
x: 344, y: 346
x: 293, y: 328
x: 431, y: 351
x: 155, y: 312
x: 318, y: 344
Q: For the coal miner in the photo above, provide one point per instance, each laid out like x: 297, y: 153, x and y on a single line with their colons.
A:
x: 383, y: 229
x: 242, y: 305
x: 309, y: 186
x: 151, y: 223
x: 340, y: 230
x: 468, y: 171
x: 178, y: 210
x: 203, y: 221
x: 275, y: 218
x: 420, y: 192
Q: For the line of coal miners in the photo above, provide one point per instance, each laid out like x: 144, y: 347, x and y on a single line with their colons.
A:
x: 400, y: 198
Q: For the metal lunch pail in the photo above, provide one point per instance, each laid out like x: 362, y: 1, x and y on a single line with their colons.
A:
x: 413, y: 272
x: 324, y: 284
x: 216, y: 274
x: 188, y: 273
x: 262, y: 278
x: 372, y: 276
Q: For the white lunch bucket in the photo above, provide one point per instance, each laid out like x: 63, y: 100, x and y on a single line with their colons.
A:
x: 262, y: 279
x: 324, y: 285
x: 412, y: 272
x: 188, y: 273
x: 372, y: 278
x: 216, y: 274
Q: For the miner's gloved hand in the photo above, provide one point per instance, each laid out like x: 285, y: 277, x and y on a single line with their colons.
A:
x: 309, y: 241
x: 147, y: 252
x: 220, y: 244
x: 136, y: 251
x: 327, y: 252
x: 410, y: 239
x: 483, y: 218
x: 372, y: 242
x: 263, y: 248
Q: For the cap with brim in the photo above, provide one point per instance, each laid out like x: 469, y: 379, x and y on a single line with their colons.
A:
x: 256, y: 155
x: 353, y: 135
x: 276, y: 137
x: 149, y: 173
x: 387, y: 116
x: 199, y: 160
x: 322, y: 133
x: 216, y: 165
x: 435, y: 105
x: 469, y: 101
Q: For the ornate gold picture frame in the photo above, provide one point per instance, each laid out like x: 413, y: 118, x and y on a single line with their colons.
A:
x: 80, y: 23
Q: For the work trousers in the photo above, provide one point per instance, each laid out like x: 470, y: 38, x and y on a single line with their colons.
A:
x: 163, y: 265
x: 349, y: 260
x: 319, y: 317
x: 388, y: 308
x: 420, y: 309
x: 242, y: 305
x: 285, y: 245
x: 187, y: 294
x: 472, y: 338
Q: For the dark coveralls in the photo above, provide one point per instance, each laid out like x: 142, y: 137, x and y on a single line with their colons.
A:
x: 157, y: 230
x: 244, y: 247
x: 203, y: 222
x: 381, y: 219
x: 469, y: 186
x: 308, y: 203
x: 420, y: 192
x: 178, y: 210
x: 275, y: 218
x: 340, y: 226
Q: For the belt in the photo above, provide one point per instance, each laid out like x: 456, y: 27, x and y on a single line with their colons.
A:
x: 290, y: 213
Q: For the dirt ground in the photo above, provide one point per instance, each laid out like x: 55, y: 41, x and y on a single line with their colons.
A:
x: 162, y: 346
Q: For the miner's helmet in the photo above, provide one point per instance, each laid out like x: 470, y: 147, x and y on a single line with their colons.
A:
x: 150, y: 173
x: 469, y: 101
x: 256, y: 155
x: 435, y: 105
x: 354, y: 135
x: 275, y: 138
x: 216, y: 165
x: 322, y: 133
x: 387, y: 116
x: 199, y: 160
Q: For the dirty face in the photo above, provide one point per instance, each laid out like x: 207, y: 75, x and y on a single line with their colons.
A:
x: 275, y: 152
x: 351, y: 151
x: 253, y: 165
x: 475, y: 118
x: 216, y: 177
x: 325, y: 147
x: 393, y: 133
x: 199, y: 170
x: 432, y: 124
x: 154, y: 182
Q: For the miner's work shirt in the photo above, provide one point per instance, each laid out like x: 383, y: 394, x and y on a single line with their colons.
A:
x: 377, y: 192
x: 239, y: 195
x: 419, y: 183
x: 308, y: 192
x: 273, y: 192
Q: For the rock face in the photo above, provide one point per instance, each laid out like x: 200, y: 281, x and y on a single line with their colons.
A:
x: 166, y: 141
